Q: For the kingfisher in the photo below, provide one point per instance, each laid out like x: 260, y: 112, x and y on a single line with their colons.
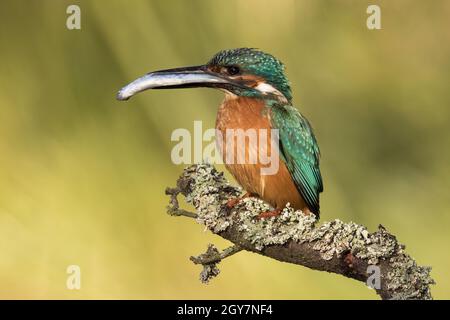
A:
x: 257, y: 96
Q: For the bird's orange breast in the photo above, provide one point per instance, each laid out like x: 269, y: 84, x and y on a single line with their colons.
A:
x: 242, y: 155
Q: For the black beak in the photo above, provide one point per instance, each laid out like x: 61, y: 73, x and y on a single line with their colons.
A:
x: 189, y: 77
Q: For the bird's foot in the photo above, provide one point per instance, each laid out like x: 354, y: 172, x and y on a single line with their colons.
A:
x: 231, y: 203
x: 269, y: 214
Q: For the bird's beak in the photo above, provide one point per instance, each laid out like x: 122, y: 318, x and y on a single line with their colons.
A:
x: 189, y: 77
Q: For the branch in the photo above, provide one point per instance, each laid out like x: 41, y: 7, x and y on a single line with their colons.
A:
x: 376, y: 259
x: 211, y: 258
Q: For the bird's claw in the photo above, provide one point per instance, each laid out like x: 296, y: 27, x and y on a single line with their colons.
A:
x: 269, y: 214
x: 231, y: 203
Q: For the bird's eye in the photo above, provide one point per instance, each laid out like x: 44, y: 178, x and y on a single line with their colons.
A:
x: 233, y: 70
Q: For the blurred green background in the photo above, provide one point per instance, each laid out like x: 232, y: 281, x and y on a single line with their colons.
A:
x: 82, y: 176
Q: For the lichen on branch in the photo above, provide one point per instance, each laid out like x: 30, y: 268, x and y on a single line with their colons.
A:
x: 343, y: 248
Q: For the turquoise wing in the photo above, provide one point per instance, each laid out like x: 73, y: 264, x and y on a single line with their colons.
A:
x: 300, y: 152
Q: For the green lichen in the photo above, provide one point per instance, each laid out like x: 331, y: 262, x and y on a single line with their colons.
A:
x: 209, y: 191
x: 336, y: 238
x: 210, y: 270
x: 207, y: 188
x: 407, y: 280
x: 289, y: 225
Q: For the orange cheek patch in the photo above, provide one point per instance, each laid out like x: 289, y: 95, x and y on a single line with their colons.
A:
x: 250, y: 80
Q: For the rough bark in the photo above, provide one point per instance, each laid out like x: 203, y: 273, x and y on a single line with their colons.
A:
x: 347, y: 249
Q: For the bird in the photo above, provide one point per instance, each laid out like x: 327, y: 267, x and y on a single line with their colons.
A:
x: 257, y: 96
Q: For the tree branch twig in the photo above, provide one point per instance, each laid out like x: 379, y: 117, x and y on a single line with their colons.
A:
x: 347, y: 249
x: 173, y: 208
x: 213, y: 256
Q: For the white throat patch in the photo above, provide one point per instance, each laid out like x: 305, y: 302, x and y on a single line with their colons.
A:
x: 266, y: 88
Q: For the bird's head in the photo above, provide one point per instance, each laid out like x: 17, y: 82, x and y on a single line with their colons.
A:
x: 242, y: 72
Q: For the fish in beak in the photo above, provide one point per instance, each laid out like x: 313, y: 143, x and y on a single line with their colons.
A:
x: 188, y: 77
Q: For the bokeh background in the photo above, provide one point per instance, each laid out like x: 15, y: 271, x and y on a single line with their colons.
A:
x: 82, y: 176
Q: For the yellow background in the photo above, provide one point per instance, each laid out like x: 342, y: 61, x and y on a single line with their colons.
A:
x: 82, y: 176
